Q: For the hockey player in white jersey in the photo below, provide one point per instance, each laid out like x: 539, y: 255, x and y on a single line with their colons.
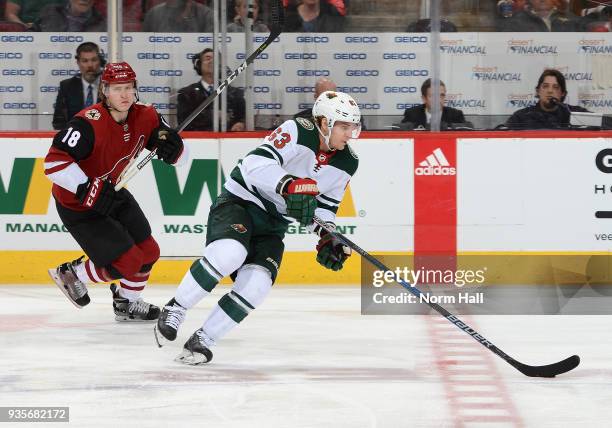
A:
x: 301, y: 169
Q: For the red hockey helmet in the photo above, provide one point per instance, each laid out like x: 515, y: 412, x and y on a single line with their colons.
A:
x: 118, y: 72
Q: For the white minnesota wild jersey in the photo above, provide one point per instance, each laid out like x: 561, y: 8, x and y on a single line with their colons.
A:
x: 292, y: 149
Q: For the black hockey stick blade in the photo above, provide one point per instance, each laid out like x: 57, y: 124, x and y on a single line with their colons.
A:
x: 550, y: 370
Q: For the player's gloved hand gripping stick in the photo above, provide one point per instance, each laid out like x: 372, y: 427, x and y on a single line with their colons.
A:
x: 276, y: 27
x: 550, y: 370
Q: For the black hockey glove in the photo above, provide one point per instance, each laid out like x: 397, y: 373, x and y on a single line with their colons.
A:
x: 300, y: 198
x: 332, y: 252
x: 99, y: 195
x: 168, y: 143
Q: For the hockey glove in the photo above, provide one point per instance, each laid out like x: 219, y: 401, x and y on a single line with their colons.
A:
x: 99, y: 195
x: 300, y: 197
x: 168, y: 143
x: 332, y: 252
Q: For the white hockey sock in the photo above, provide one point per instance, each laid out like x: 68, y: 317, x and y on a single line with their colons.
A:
x: 131, y: 295
x: 230, y: 311
x: 189, y: 291
x: 87, y: 273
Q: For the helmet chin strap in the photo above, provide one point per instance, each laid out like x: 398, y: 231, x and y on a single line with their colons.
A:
x: 326, y: 138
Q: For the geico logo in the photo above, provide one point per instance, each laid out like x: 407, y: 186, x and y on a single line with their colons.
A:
x: 63, y: 39
x: 344, y: 55
x: 209, y: 39
x: 362, y: 72
x: 368, y: 106
x: 404, y: 106
x: 312, y: 39
x: 313, y: 73
x: 54, y: 55
x: 603, y: 161
x: 410, y: 39
x: 11, y: 55
x: 404, y: 55
x: 267, y: 73
x: 262, y: 55
x: 125, y: 39
x: 435, y: 170
x: 353, y: 89
x: 165, y: 39
x: 297, y: 55
x: 261, y: 89
x: 20, y: 39
x: 304, y: 106
x: 261, y: 39
x: 60, y: 72
x: 298, y: 89
x: 267, y: 106
x: 408, y: 73
x: 19, y: 106
x: 49, y: 88
x: 361, y: 39
x: 18, y: 72
x: 166, y: 72
x: 11, y: 88
x: 153, y: 55
x: 400, y: 89
x: 164, y: 106
x: 155, y: 89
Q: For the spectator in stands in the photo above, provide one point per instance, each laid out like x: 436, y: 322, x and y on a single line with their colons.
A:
x: 190, y: 97
x: 74, y: 16
x: 420, y: 116
x: 80, y: 91
x: 26, y: 11
x: 321, y: 85
x: 315, y: 16
x: 424, y: 26
x: 597, y: 19
x: 549, y: 112
x: 179, y: 16
x: 544, y: 15
x: 238, y: 24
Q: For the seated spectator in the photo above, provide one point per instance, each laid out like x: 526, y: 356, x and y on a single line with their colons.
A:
x: 190, y: 97
x: 420, y: 116
x: 179, y: 16
x: 75, y: 16
x: 424, y: 26
x: 549, y: 112
x: 26, y: 11
x: 543, y: 16
x: 598, y: 19
x: 80, y: 91
x: 315, y: 16
x: 238, y: 24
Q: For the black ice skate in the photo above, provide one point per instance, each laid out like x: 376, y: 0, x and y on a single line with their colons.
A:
x: 195, y: 351
x: 66, y: 279
x: 172, y: 316
x: 137, y: 310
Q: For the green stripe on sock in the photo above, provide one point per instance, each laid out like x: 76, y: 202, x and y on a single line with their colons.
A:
x: 232, y: 309
x: 202, y: 277
x: 242, y: 299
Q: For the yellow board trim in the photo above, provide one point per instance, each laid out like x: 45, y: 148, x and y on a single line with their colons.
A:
x: 39, y: 191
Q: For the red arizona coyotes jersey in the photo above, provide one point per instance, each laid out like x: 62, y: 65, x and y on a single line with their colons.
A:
x: 100, y: 147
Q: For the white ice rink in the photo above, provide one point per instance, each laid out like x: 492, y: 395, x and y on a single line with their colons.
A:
x: 306, y: 358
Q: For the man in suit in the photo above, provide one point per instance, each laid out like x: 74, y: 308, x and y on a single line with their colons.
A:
x: 190, y: 97
x: 79, y: 91
x: 421, y: 115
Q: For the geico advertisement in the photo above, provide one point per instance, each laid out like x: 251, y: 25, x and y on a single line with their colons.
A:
x: 376, y: 211
x: 534, y: 194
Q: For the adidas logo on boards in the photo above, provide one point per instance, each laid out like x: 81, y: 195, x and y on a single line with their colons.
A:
x: 435, y: 164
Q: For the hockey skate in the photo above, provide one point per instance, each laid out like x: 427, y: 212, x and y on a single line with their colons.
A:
x: 137, y: 310
x: 172, y: 316
x: 66, y: 279
x: 195, y: 351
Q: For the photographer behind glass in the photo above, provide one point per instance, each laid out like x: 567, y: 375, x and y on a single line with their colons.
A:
x: 550, y: 112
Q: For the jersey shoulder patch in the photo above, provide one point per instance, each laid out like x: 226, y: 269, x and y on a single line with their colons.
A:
x: 93, y: 114
x: 305, y: 123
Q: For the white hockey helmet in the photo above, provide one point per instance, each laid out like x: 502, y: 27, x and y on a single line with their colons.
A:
x: 334, y: 105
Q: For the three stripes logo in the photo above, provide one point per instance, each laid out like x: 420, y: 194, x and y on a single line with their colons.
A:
x: 435, y: 164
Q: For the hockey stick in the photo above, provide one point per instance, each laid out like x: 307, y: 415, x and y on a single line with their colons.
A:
x: 550, y: 370
x: 278, y: 20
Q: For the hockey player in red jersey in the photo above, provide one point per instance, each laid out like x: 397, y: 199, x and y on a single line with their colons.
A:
x: 85, y: 161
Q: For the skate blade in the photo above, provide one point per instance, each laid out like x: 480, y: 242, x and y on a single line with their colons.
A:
x: 191, y: 359
x: 60, y: 285
x: 122, y: 318
x: 159, y: 338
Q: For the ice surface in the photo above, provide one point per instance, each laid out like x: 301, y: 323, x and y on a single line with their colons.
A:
x: 305, y: 358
